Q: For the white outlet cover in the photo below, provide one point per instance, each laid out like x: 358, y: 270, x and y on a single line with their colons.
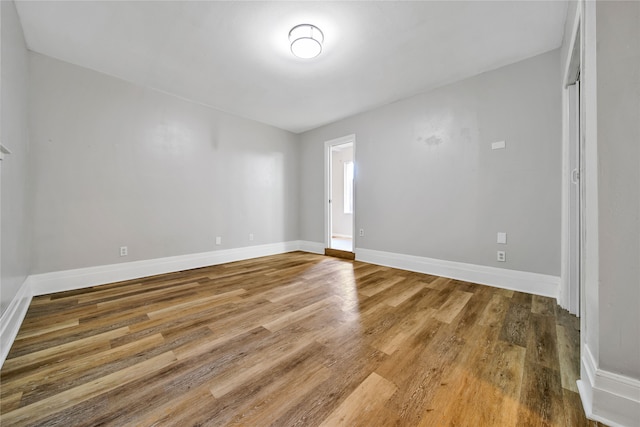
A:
x: 498, y: 145
x: 218, y: 240
x: 501, y: 256
x: 502, y: 238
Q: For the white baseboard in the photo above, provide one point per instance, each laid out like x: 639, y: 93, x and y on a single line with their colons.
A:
x: 533, y: 283
x: 12, y: 319
x: 59, y: 281
x: 313, y: 247
x: 607, y: 397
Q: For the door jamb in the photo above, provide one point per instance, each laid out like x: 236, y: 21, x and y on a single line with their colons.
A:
x: 573, y: 63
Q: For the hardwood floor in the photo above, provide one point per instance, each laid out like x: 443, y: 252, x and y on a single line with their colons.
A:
x: 293, y: 340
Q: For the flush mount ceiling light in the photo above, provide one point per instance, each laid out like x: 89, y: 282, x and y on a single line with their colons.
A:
x: 306, y: 41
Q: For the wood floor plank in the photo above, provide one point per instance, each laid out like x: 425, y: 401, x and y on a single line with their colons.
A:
x: 232, y: 379
x: 418, y: 389
x: 62, y: 351
x: 48, y: 329
x: 296, y: 339
x: 544, y: 306
x: 74, y: 333
x: 495, y: 311
x: 54, y: 374
x: 482, y: 389
x: 380, y: 286
x: 361, y: 406
x: 10, y: 402
x: 142, y: 297
x: 196, y: 304
x: 516, y: 324
x: 541, y: 397
x: 439, y: 283
x: 405, y: 329
x: 404, y: 294
x: 542, y: 346
x: 269, y: 405
x: 68, y: 398
x: 292, y: 317
x: 453, y: 306
x: 569, y: 358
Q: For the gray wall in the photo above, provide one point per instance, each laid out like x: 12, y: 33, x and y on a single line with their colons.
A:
x: 572, y: 7
x: 342, y: 222
x: 428, y: 183
x: 618, y: 103
x: 15, y: 213
x: 116, y: 165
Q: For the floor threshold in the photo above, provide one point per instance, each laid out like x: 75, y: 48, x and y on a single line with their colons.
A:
x: 337, y: 253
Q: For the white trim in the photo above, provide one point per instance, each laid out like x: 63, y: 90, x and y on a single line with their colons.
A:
x: 60, y: 281
x: 533, y: 283
x: 608, y: 397
x: 312, y: 247
x: 564, y: 296
x: 12, y: 319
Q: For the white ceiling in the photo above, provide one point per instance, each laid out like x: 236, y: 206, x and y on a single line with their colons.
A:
x: 234, y: 56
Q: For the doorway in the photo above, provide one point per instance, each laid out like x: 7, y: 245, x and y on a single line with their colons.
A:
x: 340, y: 194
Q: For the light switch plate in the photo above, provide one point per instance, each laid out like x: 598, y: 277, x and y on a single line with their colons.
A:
x: 502, y: 238
x: 498, y: 145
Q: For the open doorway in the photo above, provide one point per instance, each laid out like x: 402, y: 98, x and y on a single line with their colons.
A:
x: 340, y: 189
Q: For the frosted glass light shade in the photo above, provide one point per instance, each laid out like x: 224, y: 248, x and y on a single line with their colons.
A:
x: 306, y: 41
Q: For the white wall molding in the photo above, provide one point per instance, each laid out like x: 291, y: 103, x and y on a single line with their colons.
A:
x: 66, y: 280
x: 12, y: 319
x: 607, y: 397
x: 533, y: 283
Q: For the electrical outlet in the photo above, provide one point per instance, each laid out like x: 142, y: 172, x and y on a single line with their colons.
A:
x: 124, y: 251
x: 251, y: 237
x: 362, y: 232
x: 502, y: 256
x: 218, y: 240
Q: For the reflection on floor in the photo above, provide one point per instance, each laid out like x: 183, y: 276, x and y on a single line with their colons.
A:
x: 342, y: 243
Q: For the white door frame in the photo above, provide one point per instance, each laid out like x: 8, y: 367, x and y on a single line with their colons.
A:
x: 571, y: 292
x: 575, y: 207
x: 328, y: 145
